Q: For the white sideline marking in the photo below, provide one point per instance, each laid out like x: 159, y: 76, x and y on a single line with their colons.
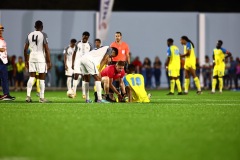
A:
x: 210, y: 100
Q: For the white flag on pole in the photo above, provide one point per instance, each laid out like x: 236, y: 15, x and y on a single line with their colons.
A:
x: 103, y: 18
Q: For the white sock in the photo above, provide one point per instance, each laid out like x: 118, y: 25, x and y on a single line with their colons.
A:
x: 42, y: 88
x: 79, y: 78
x: 75, y: 84
x: 69, y: 83
x: 29, y: 85
x: 83, y: 88
x: 87, y: 90
x: 99, y: 89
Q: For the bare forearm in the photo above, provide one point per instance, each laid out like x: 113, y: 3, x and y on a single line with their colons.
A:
x: 129, y: 94
x: 114, y: 89
x: 128, y: 59
x: 73, y: 58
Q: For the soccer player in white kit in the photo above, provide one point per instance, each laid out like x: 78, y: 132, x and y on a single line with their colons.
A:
x: 81, y: 48
x: 39, y: 59
x: 68, y: 52
x: 89, y: 64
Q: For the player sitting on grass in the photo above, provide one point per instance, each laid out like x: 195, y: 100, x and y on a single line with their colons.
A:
x: 135, y: 86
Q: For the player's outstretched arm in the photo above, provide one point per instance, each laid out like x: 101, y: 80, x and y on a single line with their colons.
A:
x: 111, y: 86
x: 103, y: 62
x: 129, y: 93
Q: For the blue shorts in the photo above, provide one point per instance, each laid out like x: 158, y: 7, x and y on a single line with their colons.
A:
x: 20, y: 76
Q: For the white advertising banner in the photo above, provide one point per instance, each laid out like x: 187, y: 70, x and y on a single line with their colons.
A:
x: 103, y: 18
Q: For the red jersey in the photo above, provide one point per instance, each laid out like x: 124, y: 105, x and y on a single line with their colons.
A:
x: 123, y: 50
x: 111, y: 72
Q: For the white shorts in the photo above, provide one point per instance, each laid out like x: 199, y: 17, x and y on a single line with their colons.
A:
x: 40, y: 67
x: 69, y: 72
x: 88, y: 67
x: 77, y: 67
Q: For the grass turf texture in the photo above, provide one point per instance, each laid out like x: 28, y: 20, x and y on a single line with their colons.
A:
x: 175, y: 127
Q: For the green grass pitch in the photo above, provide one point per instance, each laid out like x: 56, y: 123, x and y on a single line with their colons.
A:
x: 192, y: 127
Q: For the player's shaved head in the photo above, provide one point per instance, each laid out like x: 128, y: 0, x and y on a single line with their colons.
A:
x: 38, y: 24
x: 170, y: 40
x: 131, y: 68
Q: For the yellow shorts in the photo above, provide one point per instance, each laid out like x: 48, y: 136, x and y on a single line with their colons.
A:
x: 188, y: 66
x: 173, y: 72
x: 102, y: 68
x: 218, y: 71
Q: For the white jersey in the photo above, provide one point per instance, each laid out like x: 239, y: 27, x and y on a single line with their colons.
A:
x: 82, y: 48
x: 3, y: 55
x: 36, y: 40
x: 69, y: 52
x: 96, y: 55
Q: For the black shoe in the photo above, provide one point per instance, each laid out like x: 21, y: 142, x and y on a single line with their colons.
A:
x: 95, y: 95
x: 199, y: 92
x: 109, y: 99
x: 2, y: 96
x: 180, y: 93
x: 170, y: 93
x: 7, y: 98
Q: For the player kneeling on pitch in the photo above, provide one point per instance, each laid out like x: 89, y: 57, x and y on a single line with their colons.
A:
x: 135, y: 86
x: 111, y: 73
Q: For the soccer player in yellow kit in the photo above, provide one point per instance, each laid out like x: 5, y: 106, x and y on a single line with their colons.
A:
x: 219, y: 55
x: 135, y: 86
x: 190, y: 64
x: 173, y: 66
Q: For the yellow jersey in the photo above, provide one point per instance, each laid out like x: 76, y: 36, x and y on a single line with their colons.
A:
x: 20, y: 67
x: 191, y: 59
x: 137, y: 85
x: 173, y: 53
x: 219, y: 56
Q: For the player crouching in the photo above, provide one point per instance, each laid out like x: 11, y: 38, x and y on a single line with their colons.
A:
x: 135, y: 86
x: 110, y: 74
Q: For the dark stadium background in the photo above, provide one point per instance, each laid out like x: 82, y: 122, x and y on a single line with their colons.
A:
x: 126, y: 5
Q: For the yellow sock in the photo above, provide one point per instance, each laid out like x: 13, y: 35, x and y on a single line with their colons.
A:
x: 34, y: 81
x: 95, y: 89
x: 197, y: 83
x: 178, y: 85
x: 220, y: 84
x: 214, y: 83
x: 38, y: 85
x: 172, y: 86
x: 186, y: 84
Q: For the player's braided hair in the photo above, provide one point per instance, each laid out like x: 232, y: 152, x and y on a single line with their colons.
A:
x: 187, y: 39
